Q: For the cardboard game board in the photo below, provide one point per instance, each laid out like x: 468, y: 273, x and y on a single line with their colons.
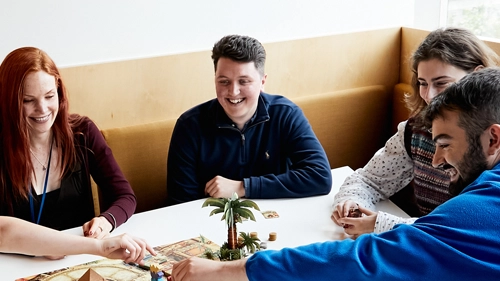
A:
x: 168, y: 255
x: 108, y: 269
x: 116, y: 270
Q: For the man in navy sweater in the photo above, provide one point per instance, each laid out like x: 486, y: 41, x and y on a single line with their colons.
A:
x: 245, y: 141
x: 457, y: 241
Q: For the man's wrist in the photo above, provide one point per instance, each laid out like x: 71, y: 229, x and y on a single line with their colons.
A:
x: 245, y: 184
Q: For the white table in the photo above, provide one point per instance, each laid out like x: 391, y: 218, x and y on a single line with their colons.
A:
x: 302, y: 221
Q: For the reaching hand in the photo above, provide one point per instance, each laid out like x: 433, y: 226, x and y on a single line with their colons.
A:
x: 125, y: 247
x: 361, y: 225
x: 220, y: 187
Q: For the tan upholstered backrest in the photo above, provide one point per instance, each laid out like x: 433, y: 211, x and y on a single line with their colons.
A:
x: 141, y: 152
x: 144, y: 90
x: 399, y: 110
x: 351, y: 124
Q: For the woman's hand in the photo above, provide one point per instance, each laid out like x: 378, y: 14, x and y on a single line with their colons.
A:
x: 360, y: 225
x: 98, y: 227
x: 341, y: 210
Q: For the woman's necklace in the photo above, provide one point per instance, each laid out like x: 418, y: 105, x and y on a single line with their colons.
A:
x: 32, y: 208
x: 44, y: 167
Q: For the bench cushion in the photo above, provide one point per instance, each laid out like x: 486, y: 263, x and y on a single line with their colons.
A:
x: 141, y: 152
x: 351, y: 124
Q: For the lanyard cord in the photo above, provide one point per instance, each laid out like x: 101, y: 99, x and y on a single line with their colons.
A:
x: 32, y: 208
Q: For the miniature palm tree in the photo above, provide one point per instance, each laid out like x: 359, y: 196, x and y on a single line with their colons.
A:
x: 251, y: 243
x: 234, y: 210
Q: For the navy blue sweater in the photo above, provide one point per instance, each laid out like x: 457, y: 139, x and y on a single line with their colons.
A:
x: 277, y: 154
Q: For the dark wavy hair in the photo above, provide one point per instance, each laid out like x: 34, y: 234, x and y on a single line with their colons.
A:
x: 240, y: 48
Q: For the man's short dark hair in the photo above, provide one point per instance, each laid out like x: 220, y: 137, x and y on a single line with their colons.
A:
x: 476, y: 98
x: 240, y: 48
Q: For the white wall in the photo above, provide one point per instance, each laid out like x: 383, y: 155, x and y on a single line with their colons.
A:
x: 429, y: 14
x: 94, y: 31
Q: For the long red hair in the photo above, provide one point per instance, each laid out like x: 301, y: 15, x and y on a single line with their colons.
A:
x: 15, y: 161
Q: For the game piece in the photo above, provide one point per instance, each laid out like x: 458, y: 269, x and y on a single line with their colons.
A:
x: 156, y: 272
x: 263, y: 245
x: 234, y: 210
x: 272, y: 236
x: 270, y: 214
x: 354, y: 213
x: 91, y: 275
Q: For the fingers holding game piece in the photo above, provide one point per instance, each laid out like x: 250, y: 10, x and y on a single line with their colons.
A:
x: 354, y: 213
x: 361, y: 224
x: 341, y: 210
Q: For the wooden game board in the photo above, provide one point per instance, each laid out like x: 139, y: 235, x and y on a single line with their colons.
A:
x: 116, y: 270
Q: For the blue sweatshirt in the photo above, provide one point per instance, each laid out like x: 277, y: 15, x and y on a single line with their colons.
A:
x: 459, y: 240
x: 277, y: 154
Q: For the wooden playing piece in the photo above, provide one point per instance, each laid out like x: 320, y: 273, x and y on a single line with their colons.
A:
x: 272, y: 236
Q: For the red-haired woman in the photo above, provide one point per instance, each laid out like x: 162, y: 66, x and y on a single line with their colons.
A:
x: 47, y: 155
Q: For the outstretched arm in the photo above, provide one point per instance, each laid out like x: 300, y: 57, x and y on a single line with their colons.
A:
x: 195, y: 268
x: 19, y: 236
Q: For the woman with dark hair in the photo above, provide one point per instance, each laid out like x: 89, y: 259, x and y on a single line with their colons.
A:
x: 47, y: 155
x: 444, y: 57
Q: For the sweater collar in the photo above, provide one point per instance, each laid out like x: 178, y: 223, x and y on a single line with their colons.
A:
x: 261, y: 115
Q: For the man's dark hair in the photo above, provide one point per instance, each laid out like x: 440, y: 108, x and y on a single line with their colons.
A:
x: 476, y: 98
x: 242, y: 49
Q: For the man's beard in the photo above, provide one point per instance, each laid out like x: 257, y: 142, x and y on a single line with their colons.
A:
x: 473, y: 163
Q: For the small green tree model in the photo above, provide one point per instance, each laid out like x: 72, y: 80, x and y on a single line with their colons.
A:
x: 251, y: 243
x: 233, y: 211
